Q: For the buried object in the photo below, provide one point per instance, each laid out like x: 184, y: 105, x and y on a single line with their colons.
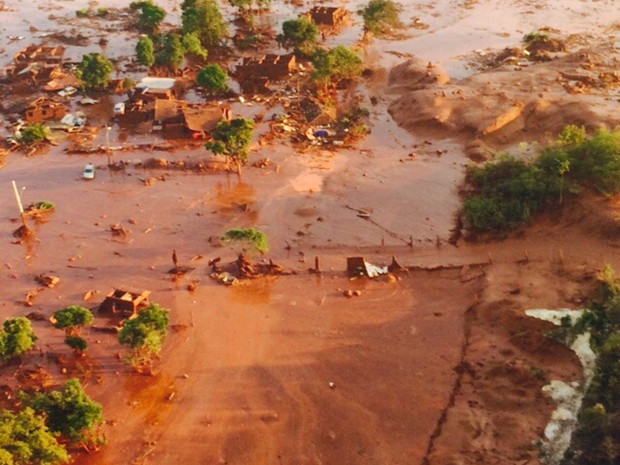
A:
x: 358, y: 266
x: 125, y: 303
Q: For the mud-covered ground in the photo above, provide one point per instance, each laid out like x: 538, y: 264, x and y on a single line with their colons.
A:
x: 439, y: 367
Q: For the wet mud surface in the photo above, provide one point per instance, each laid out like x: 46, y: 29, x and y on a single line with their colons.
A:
x: 439, y: 367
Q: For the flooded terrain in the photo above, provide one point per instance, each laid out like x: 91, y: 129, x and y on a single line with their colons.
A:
x: 439, y: 365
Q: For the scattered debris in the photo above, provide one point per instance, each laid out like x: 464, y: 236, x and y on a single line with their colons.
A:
x: 358, y: 266
x: 48, y: 281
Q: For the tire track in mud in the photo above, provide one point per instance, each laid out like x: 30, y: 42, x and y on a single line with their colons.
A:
x: 460, y: 370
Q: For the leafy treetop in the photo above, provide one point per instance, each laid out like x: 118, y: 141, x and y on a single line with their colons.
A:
x: 151, y: 15
x: 253, y: 237
x: 301, y: 34
x: 94, y: 71
x: 380, y: 16
x: 69, y: 411
x: 16, y: 337
x: 25, y: 439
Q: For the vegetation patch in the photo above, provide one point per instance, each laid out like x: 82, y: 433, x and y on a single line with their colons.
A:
x: 508, y: 191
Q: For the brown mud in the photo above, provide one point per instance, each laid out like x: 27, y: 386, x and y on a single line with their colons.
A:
x: 439, y: 367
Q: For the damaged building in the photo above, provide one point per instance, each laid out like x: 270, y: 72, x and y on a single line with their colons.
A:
x: 331, y: 16
x: 38, y: 63
x: 44, y: 109
x: 255, y: 74
x: 176, y: 118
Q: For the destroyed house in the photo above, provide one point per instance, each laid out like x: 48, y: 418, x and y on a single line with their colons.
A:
x: 40, y: 54
x: 124, y: 303
x: 194, y: 121
x: 137, y: 111
x: 327, y: 15
x: 270, y: 67
x: 44, y: 109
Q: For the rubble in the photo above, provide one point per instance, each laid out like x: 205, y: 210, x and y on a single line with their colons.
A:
x: 48, y: 281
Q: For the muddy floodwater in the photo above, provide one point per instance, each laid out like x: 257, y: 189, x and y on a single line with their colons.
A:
x: 430, y: 366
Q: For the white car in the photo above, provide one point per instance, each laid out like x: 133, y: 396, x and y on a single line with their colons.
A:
x: 89, y: 171
x: 119, y: 109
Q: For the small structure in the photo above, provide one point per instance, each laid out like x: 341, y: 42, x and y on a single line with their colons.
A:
x: 124, y: 303
x: 271, y: 67
x: 158, y: 88
x: 358, y: 266
x: 44, y: 109
x: 332, y: 16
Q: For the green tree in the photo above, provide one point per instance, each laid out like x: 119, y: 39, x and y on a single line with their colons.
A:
x: 151, y: 15
x: 72, y: 319
x: 205, y: 19
x: 299, y: 34
x: 232, y: 139
x: 94, y: 71
x: 380, y: 16
x: 336, y: 65
x: 16, y: 337
x: 192, y: 46
x: 173, y: 53
x: 36, y: 132
x: 145, y: 335
x: 145, y: 51
x: 250, y: 237
x: 213, y: 78
x: 69, y: 412
x: 25, y: 439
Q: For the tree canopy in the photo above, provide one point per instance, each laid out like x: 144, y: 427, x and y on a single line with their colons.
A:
x: 26, y: 440
x: 150, y: 17
x: 72, y: 317
x: 204, y: 18
x: 145, y: 334
x: 232, y: 139
x: 249, y: 236
x: 213, y: 78
x: 145, y: 51
x: 172, y: 53
x: 192, y: 46
x: 16, y: 337
x: 94, y: 71
x: 380, y: 16
x: 300, y: 34
x: 338, y: 64
x: 69, y: 411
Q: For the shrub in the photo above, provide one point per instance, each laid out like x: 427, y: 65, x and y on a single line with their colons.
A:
x: 380, y: 16
x: 145, y: 51
x: 34, y: 133
x: 150, y: 17
x: 535, y: 37
x: 249, y: 236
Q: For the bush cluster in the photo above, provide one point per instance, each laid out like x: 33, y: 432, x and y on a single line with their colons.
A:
x: 508, y: 191
x: 597, y: 438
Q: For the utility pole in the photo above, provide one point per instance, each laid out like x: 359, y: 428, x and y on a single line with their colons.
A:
x: 107, y: 142
x: 19, y: 205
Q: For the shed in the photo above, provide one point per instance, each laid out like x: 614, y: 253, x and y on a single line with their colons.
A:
x: 124, y: 303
